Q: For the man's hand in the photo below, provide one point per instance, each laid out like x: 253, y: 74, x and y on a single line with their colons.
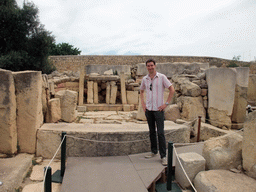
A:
x: 162, y: 107
x: 143, y: 106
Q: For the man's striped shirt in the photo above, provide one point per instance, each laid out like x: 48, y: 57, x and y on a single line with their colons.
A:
x: 155, y: 90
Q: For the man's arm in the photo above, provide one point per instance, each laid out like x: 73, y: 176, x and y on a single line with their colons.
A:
x: 142, y: 100
x: 171, y: 92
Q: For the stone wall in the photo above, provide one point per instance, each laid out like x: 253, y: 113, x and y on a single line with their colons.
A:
x: 73, y: 63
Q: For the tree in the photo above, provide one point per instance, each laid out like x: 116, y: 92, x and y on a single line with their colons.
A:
x: 64, y: 49
x: 24, y: 43
x: 233, y: 63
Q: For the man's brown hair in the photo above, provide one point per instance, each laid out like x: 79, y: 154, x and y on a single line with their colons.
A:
x: 150, y: 60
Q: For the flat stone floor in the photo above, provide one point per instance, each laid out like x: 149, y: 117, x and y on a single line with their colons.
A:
x: 13, y: 170
x: 111, y: 174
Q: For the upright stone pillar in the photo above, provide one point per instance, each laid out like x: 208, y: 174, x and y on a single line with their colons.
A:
x: 123, y: 89
x: 108, y: 93
x: 249, y: 145
x: 28, y: 85
x: 252, y: 90
x: 90, y: 92
x: 113, y: 92
x: 68, y: 104
x: 221, y: 95
x: 81, y: 87
x: 8, y: 129
x: 240, y: 103
x: 141, y: 114
x: 95, y: 92
x: 54, y: 111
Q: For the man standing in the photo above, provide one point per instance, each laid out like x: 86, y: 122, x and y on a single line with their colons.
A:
x: 154, y: 83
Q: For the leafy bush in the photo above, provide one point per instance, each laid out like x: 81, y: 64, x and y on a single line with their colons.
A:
x: 233, y: 63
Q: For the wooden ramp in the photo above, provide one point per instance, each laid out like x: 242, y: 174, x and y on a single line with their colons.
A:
x: 112, y: 174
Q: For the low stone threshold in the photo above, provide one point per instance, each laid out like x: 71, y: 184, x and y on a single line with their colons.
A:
x: 109, y: 107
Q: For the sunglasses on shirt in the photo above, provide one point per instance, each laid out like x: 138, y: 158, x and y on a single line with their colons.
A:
x: 150, y: 87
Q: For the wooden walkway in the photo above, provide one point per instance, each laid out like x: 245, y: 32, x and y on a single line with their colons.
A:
x: 112, y: 174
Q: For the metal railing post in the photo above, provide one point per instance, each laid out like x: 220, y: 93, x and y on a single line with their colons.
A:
x: 63, y: 154
x: 48, y: 179
x: 169, y: 167
x: 199, y: 127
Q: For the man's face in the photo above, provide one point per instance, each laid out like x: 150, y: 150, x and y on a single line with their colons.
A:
x: 151, y: 67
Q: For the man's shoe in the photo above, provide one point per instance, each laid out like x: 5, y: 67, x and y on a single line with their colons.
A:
x: 164, y: 161
x: 150, y: 155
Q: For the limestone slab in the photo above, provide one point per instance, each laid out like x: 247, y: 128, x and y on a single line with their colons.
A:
x: 132, y: 97
x: 68, y: 104
x: 103, y: 139
x: 38, y: 170
x: 81, y: 86
x: 221, y: 93
x: 14, y: 170
x: 28, y: 85
x: 89, y: 92
x: 191, y: 107
x: 108, y: 92
x: 251, y: 94
x: 249, y: 145
x: 172, y: 112
x: 224, y: 152
x: 123, y: 88
x: 37, y: 187
x: 223, y: 181
x: 171, y: 69
x: 192, y: 163
x: 54, y: 111
x: 102, y: 68
x: 113, y: 93
x: 141, y: 114
x: 240, y: 103
x: 113, y: 173
x: 8, y: 129
x: 95, y: 92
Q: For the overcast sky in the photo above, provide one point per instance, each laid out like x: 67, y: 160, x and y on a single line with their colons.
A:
x: 216, y: 28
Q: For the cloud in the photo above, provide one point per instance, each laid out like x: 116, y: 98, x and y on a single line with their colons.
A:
x: 220, y: 28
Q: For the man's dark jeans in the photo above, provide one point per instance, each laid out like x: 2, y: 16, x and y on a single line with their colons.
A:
x: 156, y: 119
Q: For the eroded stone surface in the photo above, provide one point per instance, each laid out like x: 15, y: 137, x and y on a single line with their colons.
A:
x: 191, y: 107
x: 249, y: 145
x: 193, y: 163
x: 28, y: 88
x: 8, y: 129
x: 223, y: 181
x: 172, y: 112
x: 221, y: 95
x: 224, y: 152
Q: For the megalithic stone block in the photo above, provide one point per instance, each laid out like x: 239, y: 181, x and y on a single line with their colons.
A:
x: 95, y: 92
x: 113, y: 92
x: 81, y: 87
x: 123, y: 89
x: 240, y: 103
x: 221, y: 95
x: 90, y: 92
x: 8, y: 129
x: 249, y: 145
x: 108, y: 93
x: 28, y: 85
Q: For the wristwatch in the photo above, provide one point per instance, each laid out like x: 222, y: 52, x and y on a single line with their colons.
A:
x: 166, y: 103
